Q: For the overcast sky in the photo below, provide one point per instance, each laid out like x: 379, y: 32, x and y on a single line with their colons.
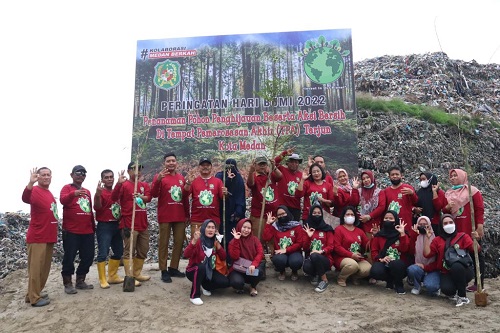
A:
x: 67, y: 70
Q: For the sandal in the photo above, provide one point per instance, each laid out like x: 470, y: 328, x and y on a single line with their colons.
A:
x: 281, y: 277
x: 295, y: 277
x: 253, y: 292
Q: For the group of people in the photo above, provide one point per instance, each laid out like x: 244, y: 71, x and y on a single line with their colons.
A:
x: 307, y: 220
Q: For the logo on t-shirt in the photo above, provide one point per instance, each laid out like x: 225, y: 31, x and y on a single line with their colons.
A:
x: 84, y: 204
x: 176, y: 193
x: 116, y: 211
x: 314, y: 196
x: 140, y: 203
x: 393, y: 253
x: 285, y: 242
x: 316, y: 245
x: 292, y: 186
x: 355, y: 247
x: 206, y: 198
x: 53, y: 208
x: 269, y: 194
x: 394, y: 206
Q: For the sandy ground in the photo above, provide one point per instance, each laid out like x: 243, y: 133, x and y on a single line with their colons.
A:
x: 280, y: 307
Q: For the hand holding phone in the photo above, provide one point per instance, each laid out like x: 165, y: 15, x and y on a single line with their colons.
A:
x: 255, y: 272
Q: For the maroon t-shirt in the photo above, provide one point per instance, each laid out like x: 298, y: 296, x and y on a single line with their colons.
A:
x: 123, y: 192
x: 43, y: 212
x: 401, y: 204
x: 78, y: 217
x: 173, y: 200
x: 110, y: 209
x: 206, y: 197
x: 311, y: 190
x: 272, y: 195
x: 320, y: 240
x: 347, y: 242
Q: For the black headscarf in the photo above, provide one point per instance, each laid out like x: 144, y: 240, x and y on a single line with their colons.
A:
x: 287, y: 222
x: 443, y: 234
x: 207, y: 243
x: 425, y: 195
x: 317, y: 224
x: 390, y: 234
x: 235, y: 200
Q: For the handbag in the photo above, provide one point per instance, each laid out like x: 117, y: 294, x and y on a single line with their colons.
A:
x: 221, y: 265
x: 241, y: 265
x: 454, y: 254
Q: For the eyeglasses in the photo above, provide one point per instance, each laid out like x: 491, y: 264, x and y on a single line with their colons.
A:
x: 80, y: 173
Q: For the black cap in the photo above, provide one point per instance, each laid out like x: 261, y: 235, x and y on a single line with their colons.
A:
x: 205, y: 159
x: 131, y: 165
x: 78, y: 168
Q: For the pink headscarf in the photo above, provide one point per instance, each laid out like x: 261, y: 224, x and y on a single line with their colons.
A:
x: 460, y: 196
x: 346, y: 187
x: 419, y: 244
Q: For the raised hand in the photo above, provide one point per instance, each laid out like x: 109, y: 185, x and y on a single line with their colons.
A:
x: 270, y: 218
x: 99, y: 188
x: 121, y: 177
x: 401, y: 227
x: 305, y: 174
x: 33, y: 176
x: 415, y: 228
x: 236, y: 235
x: 196, y: 235
x: 406, y: 191
x: 309, y: 231
x: 355, y: 183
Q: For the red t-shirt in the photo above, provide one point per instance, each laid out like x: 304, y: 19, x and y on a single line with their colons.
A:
x: 292, y: 240
x: 399, y: 249
x: 110, y: 210
x: 438, y: 246
x: 310, y: 190
x: 272, y: 195
x: 123, y: 192
x: 43, y: 212
x: 196, y: 254
x: 206, y: 196
x: 463, y: 220
x: 78, y: 217
x: 347, y: 242
x: 287, y: 185
x: 320, y: 240
x: 401, y: 204
x: 173, y: 200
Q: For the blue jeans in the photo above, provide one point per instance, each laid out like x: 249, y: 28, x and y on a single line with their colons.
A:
x: 108, y: 235
x: 431, y: 280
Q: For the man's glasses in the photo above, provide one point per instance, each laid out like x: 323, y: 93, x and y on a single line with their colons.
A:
x: 80, y: 173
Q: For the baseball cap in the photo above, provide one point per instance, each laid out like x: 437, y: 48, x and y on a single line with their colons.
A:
x: 78, y: 168
x: 205, y: 159
x: 295, y: 157
x: 261, y: 159
x: 131, y: 165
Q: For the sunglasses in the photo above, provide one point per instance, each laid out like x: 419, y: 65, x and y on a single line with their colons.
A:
x: 80, y: 173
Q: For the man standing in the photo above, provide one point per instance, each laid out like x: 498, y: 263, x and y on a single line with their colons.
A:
x: 290, y: 181
x: 400, y: 197
x: 78, y: 231
x: 41, y: 235
x: 173, y: 207
x: 125, y: 194
x: 206, y: 192
x: 107, y: 213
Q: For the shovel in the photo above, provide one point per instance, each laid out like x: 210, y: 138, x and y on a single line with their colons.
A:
x: 129, y: 281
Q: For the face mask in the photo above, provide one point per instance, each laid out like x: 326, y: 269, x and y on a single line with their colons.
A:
x: 395, y: 182
x: 283, y: 219
x: 424, y: 183
x: 369, y: 186
x: 316, y: 219
x: 422, y: 230
x: 349, y: 219
x: 449, y: 228
x: 388, y: 225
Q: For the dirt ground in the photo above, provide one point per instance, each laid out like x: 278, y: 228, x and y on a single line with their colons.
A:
x: 280, y: 307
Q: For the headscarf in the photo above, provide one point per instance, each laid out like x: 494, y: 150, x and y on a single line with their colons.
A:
x: 367, y: 193
x: 207, y: 245
x: 419, y: 244
x: 346, y: 187
x: 321, y: 225
x: 459, y: 193
x: 288, y: 224
x: 235, y: 200
x: 368, y: 196
x: 248, y: 244
x: 443, y: 234
x: 425, y: 195
x: 391, y: 235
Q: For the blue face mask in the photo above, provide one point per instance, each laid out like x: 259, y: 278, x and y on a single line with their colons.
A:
x: 369, y: 186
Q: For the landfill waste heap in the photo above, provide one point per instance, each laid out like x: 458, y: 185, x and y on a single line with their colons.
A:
x: 466, y: 89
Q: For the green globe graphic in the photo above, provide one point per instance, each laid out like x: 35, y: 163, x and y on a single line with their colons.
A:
x: 323, y: 65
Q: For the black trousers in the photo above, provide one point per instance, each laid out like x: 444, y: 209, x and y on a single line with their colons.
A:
x: 197, y: 274
x: 394, y: 272
x: 293, y: 260
x: 237, y: 280
x: 456, y: 280
x: 316, y: 264
x: 74, y: 244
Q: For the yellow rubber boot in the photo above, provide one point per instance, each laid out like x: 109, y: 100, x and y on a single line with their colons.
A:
x: 101, y: 271
x: 138, y: 263
x: 113, y: 277
x: 126, y: 263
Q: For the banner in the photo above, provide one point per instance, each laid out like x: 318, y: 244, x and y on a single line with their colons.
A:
x: 244, y: 96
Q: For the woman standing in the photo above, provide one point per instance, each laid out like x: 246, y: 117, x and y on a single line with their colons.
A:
x: 350, y: 243
x: 319, y: 246
x: 288, y: 237
x: 313, y: 187
x: 372, y: 203
x: 389, y: 248
x: 425, y: 205
x: 202, y: 252
x: 247, y: 246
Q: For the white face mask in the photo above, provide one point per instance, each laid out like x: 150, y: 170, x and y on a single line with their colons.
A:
x: 424, y: 183
x: 349, y: 219
x: 449, y: 228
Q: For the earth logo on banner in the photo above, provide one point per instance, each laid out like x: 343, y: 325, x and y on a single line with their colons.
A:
x: 167, y: 74
x: 323, y: 61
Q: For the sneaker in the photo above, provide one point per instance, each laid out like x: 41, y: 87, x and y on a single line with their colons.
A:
x: 321, y: 286
x: 415, y: 291
x: 315, y: 280
x: 294, y: 277
x: 453, y: 298
x: 462, y: 300
x: 196, y: 301
x: 400, y: 290
x: 41, y: 302
x: 206, y: 292
x: 389, y: 285
x: 472, y: 288
x: 165, y: 277
x: 436, y: 293
x: 174, y: 272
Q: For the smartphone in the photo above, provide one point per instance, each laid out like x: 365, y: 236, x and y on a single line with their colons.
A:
x: 255, y: 272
